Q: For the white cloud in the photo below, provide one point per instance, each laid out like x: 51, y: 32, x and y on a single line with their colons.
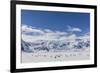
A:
x: 48, y: 31
x: 61, y: 33
x: 27, y: 29
x: 74, y: 29
x: 71, y: 37
x: 47, y: 34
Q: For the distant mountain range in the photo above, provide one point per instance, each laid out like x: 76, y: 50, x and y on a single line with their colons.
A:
x: 55, y: 45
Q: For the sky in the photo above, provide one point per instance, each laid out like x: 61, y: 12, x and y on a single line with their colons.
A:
x: 77, y: 23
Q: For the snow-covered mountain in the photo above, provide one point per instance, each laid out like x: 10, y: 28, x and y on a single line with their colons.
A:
x: 55, y: 45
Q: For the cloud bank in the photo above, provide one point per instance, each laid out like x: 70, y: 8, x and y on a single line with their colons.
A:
x: 31, y: 34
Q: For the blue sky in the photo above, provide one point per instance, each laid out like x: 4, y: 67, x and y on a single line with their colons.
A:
x: 56, y: 21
